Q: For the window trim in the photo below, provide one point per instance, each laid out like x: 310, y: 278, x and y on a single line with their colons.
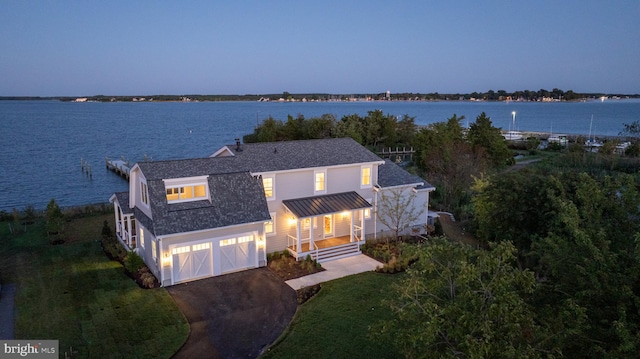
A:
x: 182, y: 184
x: 323, y: 172
x: 154, y: 253
x: 364, y: 211
x: 273, y: 186
x: 362, y: 169
x: 144, y: 193
x: 273, y: 225
x: 141, y: 237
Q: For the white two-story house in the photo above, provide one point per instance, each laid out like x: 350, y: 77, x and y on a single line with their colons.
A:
x: 196, y: 218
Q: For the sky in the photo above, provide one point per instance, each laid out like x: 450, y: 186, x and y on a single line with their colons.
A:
x: 86, y: 48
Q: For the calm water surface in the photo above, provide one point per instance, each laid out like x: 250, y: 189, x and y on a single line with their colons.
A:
x: 43, y: 142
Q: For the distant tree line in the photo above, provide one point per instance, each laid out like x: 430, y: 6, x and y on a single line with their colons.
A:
x: 490, y: 95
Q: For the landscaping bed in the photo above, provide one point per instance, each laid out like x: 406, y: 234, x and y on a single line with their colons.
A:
x: 286, y: 267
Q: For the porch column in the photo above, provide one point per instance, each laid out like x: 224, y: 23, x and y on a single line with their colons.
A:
x: 129, y: 231
x: 351, y: 223
x: 312, y: 243
x: 362, y: 232
x: 116, y: 209
x: 298, y: 240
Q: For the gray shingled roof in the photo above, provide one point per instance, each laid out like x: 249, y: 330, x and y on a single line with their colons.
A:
x: 325, y: 204
x: 123, y: 199
x: 265, y: 157
x: 236, y: 198
x: 391, y: 175
x: 286, y: 155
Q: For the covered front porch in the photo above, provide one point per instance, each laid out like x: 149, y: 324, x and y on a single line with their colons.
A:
x: 327, y: 227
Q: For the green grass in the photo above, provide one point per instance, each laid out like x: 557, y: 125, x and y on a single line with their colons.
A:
x: 335, y: 323
x: 75, y: 294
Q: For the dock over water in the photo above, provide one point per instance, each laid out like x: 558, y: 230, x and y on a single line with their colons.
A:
x: 120, y: 167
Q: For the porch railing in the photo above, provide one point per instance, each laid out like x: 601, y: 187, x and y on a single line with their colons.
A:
x: 357, y: 233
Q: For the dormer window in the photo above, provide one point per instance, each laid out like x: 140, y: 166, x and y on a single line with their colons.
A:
x: 183, y: 190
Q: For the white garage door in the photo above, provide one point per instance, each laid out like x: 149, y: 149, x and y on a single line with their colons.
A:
x: 192, y: 262
x: 237, y: 253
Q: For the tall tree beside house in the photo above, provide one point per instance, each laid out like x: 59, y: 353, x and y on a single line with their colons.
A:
x: 396, y: 209
x: 459, y: 302
x: 448, y: 161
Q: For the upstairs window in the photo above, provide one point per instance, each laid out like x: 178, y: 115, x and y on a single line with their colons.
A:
x: 365, y: 177
x: 320, y: 185
x: 267, y: 183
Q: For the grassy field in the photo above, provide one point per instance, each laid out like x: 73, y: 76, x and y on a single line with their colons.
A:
x: 335, y: 323
x: 73, y: 293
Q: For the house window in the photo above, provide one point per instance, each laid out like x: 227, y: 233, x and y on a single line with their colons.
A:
x: 186, y: 193
x: 144, y: 193
x: 142, y: 238
x: 245, y: 239
x: 227, y: 242
x: 267, y: 183
x: 270, y: 226
x: 153, y: 251
x: 320, y: 182
x: 180, y: 250
x: 201, y: 246
x: 367, y: 211
x: 365, y: 178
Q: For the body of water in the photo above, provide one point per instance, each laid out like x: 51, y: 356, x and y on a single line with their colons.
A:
x: 43, y: 142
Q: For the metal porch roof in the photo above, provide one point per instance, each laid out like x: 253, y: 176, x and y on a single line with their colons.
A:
x: 325, y: 204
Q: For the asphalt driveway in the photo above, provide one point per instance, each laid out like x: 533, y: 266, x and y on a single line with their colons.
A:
x: 234, y: 315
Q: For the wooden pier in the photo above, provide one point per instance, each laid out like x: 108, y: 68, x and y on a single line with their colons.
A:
x: 120, y: 167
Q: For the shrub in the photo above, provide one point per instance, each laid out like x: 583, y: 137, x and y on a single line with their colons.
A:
x: 147, y: 279
x: 275, y: 256
x: 133, y: 262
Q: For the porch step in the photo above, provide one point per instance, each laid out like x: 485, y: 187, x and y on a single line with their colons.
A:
x: 337, y: 252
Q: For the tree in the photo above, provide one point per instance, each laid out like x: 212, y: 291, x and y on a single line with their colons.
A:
x: 579, y: 233
x: 461, y: 302
x: 54, y: 220
x: 396, y: 209
x: 448, y: 160
x: 631, y: 130
x: 482, y: 134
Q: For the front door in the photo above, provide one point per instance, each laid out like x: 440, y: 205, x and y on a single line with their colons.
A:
x: 328, y: 226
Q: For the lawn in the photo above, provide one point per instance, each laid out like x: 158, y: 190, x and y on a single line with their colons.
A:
x: 335, y: 323
x: 73, y: 293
